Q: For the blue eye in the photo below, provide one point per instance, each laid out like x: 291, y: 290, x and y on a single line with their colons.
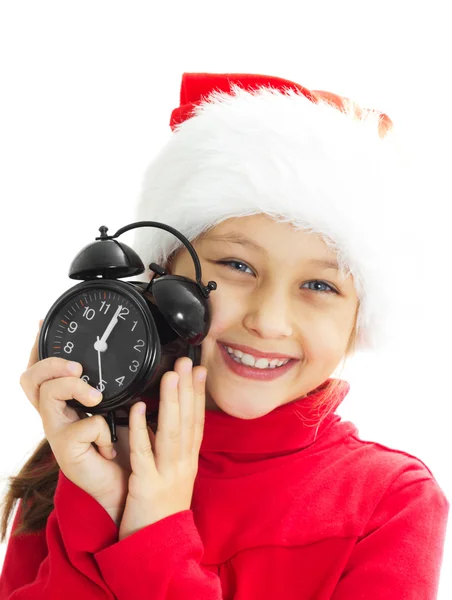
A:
x: 319, y: 281
x: 228, y: 263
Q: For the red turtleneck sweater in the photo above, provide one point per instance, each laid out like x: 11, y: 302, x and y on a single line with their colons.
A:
x: 280, y: 510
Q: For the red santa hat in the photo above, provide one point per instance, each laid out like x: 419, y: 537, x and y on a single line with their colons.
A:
x: 246, y: 144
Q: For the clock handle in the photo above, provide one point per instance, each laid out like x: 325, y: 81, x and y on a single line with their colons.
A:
x: 110, y: 417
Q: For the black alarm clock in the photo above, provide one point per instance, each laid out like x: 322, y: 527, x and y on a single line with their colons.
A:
x: 126, y: 334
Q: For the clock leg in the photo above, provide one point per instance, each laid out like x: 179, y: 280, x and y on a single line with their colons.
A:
x: 112, y: 425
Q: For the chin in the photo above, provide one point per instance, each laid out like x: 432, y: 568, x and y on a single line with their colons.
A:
x: 240, y: 410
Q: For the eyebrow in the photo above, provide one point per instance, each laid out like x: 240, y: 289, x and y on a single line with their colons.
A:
x: 237, y: 238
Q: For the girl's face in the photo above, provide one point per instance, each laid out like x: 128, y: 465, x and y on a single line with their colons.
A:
x: 272, y: 298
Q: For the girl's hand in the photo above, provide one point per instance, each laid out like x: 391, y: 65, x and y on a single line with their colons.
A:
x: 164, y: 465
x: 81, y: 445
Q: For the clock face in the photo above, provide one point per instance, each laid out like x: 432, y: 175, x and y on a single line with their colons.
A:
x: 104, y: 329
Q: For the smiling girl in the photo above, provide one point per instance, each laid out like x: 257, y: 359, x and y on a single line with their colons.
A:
x: 252, y: 487
x: 278, y: 330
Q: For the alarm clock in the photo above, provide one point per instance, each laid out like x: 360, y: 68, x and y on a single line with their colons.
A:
x: 126, y: 334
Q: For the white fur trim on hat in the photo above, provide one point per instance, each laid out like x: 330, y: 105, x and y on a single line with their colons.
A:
x: 324, y: 170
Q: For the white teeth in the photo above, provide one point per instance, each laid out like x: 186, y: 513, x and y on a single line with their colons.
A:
x: 251, y: 361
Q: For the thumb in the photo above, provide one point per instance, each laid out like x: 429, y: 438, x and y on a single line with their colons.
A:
x: 93, y: 430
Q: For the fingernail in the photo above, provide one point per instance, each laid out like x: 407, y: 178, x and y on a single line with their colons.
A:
x: 95, y: 394
x: 202, y: 376
x: 142, y: 409
x: 113, y: 453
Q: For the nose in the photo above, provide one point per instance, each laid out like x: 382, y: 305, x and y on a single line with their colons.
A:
x: 268, y: 313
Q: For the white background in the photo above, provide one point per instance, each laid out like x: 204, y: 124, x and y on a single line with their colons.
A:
x: 86, y: 92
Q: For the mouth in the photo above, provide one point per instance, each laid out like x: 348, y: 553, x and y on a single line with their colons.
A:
x: 261, y: 370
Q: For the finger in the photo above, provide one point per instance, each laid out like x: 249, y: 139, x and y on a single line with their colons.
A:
x: 141, y: 454
x: 199, y: 388
x: 34, y: 354
x: 167, y: 437
x: 48, y: 368
x: 93, y: 430
x: 52, y: 407
x: 184, y: 368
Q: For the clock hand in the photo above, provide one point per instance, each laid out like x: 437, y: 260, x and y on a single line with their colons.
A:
x: 109, y: 329
x: 101, y: 344
x: 99, y: 362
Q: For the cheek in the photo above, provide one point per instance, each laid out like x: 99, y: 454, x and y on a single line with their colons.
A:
x: 324, y: 338
x: 221, y: 322
x: 226, y: 310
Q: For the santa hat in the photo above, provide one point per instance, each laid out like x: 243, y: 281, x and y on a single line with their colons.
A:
x: 247, y: 144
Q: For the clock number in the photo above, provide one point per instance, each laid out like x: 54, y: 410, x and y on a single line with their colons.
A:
x: 68, y: 348
x: 124, y: 311
x: 134, y: 325
x: 101, y: 385
x: 72, y: 327
x: 102, y: 306
x: 136, y: 364
x: 138, y: 346
x: 120, y: 380
x: 89, y: 313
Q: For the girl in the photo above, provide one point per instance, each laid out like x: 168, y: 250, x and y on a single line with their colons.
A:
x: 252, y: 487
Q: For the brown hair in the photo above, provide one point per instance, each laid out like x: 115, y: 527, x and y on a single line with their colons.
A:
x: 36, y: 484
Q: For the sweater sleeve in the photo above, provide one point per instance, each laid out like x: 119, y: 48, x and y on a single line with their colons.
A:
x: 63, y: 567
x: 23, y: 556
x: 399, y: 556
x: 163, y: 562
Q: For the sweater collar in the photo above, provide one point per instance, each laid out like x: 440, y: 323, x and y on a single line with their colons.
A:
x: 292, y: 426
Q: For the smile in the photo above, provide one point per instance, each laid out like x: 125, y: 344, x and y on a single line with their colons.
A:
x: 250, y: 367
x: 251, y: 361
